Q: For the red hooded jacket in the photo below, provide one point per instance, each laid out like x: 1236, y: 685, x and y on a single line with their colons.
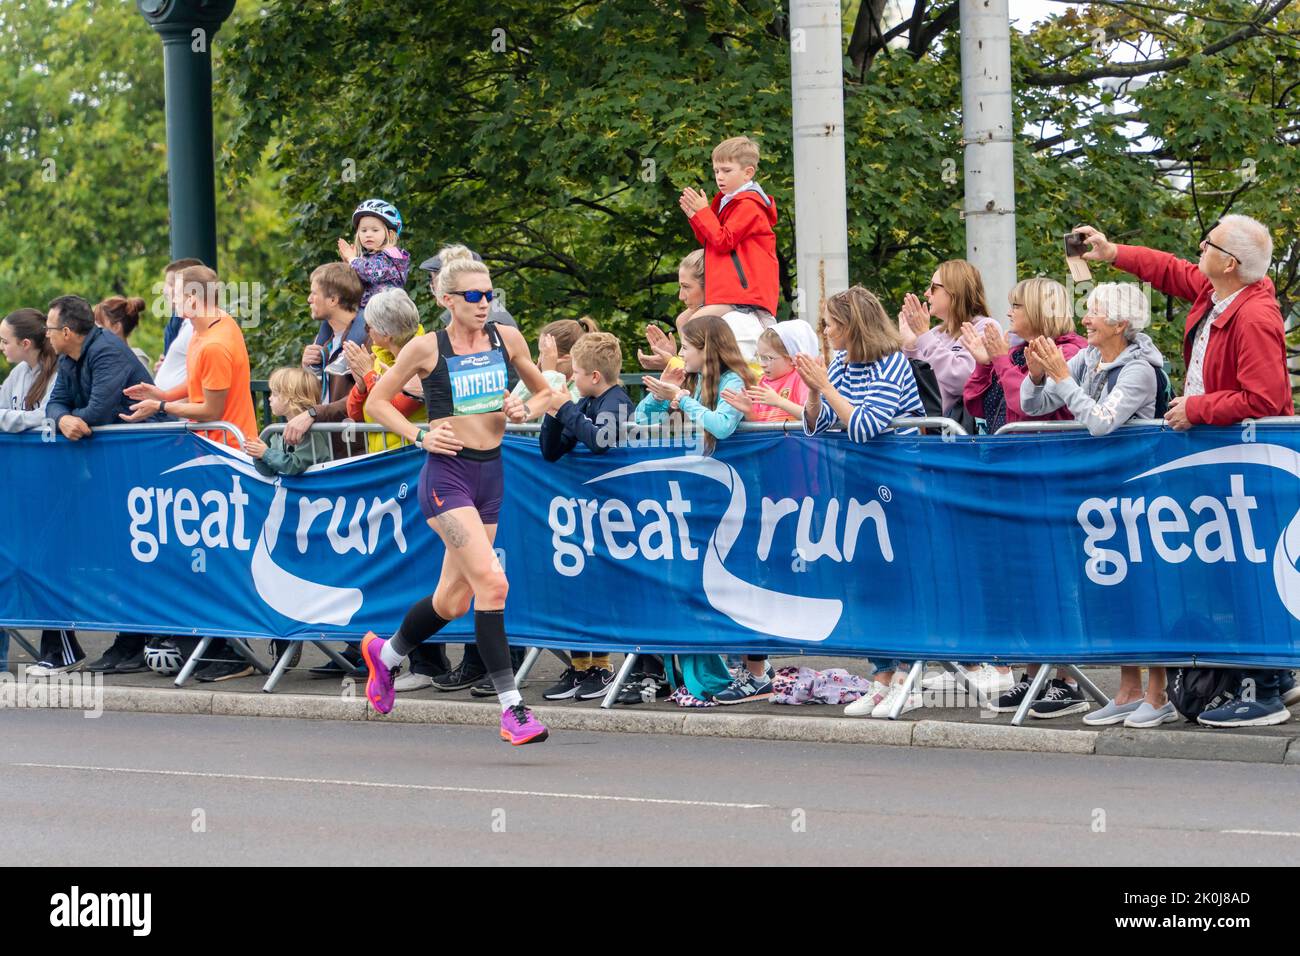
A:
x: 739, y: 250
x: 1245, y: 369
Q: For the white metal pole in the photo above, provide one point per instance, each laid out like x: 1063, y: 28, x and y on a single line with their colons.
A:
x: 989, y: 162
x: 817, y: 88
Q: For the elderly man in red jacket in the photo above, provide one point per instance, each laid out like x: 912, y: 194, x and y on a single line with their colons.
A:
x: 1235, y: 349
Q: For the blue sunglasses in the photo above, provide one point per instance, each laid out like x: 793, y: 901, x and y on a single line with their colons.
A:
x: 474, y: 295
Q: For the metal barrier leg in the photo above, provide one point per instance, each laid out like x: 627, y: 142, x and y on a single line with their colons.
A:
x: 909, y: 682
x: 339, y: 659
x: 529, y: 660
x: 1035, y: 686
x: 959, y: 673
x: 281, y: 666
x: 623, y: 670
x: 190, y: 665
x: 564, y: 657
x: 243, y: 650
x: 15, y: 635
x: 1089, y: 688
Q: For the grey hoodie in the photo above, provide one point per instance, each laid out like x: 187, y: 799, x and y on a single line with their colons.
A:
x: 1085, y: 392
x: 13, y: 416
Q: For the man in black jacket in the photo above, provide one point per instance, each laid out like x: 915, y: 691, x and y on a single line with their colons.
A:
x: 94, y: 367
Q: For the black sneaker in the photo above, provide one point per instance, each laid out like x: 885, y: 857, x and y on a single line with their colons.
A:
x: 595, y: 683
x: 1011, y: 700
x: 566, y: 686
x: 1062, y: 698
x: 214, y: 671
x: 331, y: 669
x: 459, y: 677
x: 483, y: 688
x: 292, y: 648
x: 642, y: 689
x: 130, y: 664
x: 109, y: 661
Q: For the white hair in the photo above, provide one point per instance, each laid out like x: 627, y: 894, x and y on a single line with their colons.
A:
x: 1248, y: 241
x: 393, y: 314
x: 1122, y: 302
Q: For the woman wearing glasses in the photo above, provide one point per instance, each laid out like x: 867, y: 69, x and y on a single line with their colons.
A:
x: 463, y: 369
x: 955, y: 297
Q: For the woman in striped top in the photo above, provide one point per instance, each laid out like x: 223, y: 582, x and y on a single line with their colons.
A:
x: 868, y: 385
x: 870, y: 382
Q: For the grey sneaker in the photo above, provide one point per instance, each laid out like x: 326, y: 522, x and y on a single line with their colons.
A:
x: 1148, y: 716
x: 412, y: 681
x: 1112, y: 713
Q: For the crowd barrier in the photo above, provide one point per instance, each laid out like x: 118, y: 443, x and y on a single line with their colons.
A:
x: 1146, y: 546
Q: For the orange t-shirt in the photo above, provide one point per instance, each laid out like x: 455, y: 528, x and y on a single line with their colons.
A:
x: 218, y: 360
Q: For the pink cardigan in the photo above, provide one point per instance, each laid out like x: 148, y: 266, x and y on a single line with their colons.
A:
x: 951, y: 361
x: 1010, y: 375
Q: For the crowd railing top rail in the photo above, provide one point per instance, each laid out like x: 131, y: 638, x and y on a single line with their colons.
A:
x: 1012, y: 428
x: 216, y: 426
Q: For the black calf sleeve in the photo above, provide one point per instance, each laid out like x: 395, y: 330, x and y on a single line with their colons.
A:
x: 490, y: 636
x: 421, y: 622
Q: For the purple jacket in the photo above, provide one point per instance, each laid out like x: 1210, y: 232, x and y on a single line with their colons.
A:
x: 951, y: 362
x: 381, y: 270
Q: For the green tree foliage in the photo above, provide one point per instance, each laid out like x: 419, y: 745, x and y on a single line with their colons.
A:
x: 83, y: 199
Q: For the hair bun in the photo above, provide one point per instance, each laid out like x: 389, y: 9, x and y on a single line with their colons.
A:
x: 134, y: 306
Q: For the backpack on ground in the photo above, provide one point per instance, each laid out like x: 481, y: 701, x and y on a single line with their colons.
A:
x: 1194, y: 690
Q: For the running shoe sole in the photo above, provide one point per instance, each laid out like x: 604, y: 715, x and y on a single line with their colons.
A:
x: 534, y: 739
x: 1268, y: 720
x: 373, y: 666
x: 1078, y: 708
x: 743, y: 700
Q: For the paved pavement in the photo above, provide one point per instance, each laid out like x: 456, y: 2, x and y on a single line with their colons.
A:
x: 146, y: 789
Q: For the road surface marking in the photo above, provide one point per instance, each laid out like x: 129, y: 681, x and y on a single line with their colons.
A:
x: 1263, y: 832
x: 400, y: 786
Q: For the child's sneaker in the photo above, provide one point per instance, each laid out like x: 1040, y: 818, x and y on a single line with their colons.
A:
x: 883, y: 708
x: 379, y: 679
x: 744, y: 689
x: 595, y: 683
x: 864, y: 705
x: 566, y: 686
x: 519, y: 726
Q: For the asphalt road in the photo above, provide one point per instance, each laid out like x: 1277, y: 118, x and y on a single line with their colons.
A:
x: 139, y: 789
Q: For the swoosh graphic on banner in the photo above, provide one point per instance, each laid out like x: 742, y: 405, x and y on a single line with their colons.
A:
x: 283, y: 591
x: 1285, y: 574
x: 768, y: 612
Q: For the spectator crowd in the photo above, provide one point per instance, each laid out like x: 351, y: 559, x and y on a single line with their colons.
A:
x: 725, y: 360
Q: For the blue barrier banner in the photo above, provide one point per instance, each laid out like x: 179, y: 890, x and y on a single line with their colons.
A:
x: 1147, y: 545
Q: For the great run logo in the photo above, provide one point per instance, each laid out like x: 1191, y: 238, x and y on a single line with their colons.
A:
x: 1120, y: 532
x: 222, y: 520
x: 662, y: 532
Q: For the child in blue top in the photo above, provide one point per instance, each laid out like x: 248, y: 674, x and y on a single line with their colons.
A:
x: 711, y: 364
x: 373, y: 253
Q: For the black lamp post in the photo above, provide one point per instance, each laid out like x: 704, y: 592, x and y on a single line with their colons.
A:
x: 187, y: 28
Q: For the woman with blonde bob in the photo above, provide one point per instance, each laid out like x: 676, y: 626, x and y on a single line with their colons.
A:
x: 1040, y: 308
x: 956, y: 298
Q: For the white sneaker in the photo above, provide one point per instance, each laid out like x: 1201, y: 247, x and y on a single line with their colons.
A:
x: 883, y: 708
x: 412, y: 681
x: 49, y: 668
x: 991, y: 683
x: 941, y: 681
x: 864, y: 705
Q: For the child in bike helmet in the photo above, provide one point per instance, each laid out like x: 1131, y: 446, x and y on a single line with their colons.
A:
x: 373, y: 253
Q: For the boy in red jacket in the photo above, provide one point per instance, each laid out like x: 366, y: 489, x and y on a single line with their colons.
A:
x: 740, y: 270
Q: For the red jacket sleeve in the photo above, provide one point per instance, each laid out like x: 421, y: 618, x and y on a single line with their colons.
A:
x: 1168, y: 273
x: 357, y: 399
x: 1262, y: 376
x: 747, y: 219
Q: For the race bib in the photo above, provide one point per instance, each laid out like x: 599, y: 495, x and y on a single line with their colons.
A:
x: 478, y: 382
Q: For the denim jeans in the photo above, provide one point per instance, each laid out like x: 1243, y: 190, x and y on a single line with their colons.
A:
x: 880, y: 667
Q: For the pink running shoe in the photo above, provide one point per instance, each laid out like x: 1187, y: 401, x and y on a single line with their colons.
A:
x: 519, y: 726
x: 379, y: 682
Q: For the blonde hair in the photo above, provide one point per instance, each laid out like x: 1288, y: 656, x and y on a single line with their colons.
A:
x: 599, y: 352
x: 867, y: 330
x: 389, y: 240
x: 1046, y: 305
x: 772, y: 338
x: 694, y: 264
x: 299, y: 387
x: 567, y: 331
x: 738, y: 149
x: 457, y: 261
x: 965, y: 287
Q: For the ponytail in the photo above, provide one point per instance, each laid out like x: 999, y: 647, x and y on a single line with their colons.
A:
x: 30, y: 324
